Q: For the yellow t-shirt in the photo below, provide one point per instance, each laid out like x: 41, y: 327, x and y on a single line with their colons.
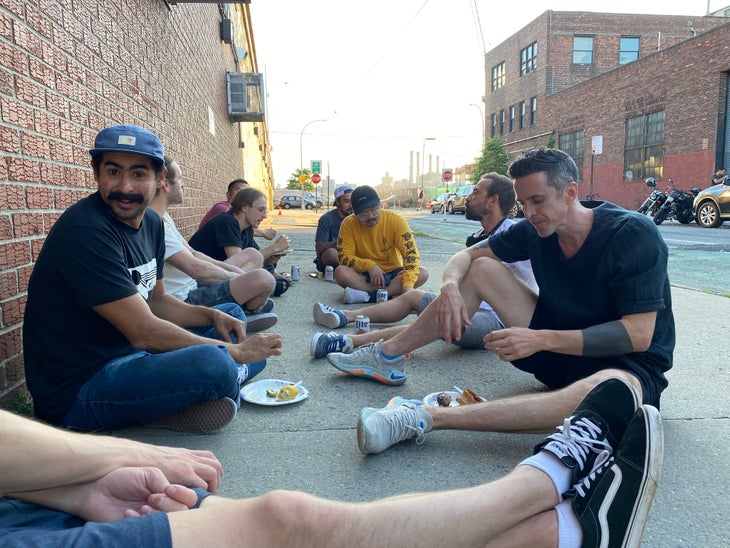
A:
x: 389, y: 244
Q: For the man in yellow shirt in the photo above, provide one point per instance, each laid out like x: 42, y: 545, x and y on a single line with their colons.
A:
x: 376, y: 250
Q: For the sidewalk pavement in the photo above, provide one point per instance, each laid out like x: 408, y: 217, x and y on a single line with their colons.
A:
x: 311, y: 445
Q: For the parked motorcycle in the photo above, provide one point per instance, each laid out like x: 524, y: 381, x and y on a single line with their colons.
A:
x: 654, y: 200
x: 678, y: 205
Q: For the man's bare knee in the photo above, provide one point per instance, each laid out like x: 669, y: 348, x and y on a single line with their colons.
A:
x: 589, y: 383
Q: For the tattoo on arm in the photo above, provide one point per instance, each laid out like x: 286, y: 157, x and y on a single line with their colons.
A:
x: 606, y: 339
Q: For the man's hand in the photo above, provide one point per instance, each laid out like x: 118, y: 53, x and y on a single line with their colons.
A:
x: 514, y: 343
x: 281, y: 244
x: 268, y: 233
x: 377, y: 277
x: 191, y: 467
x: 226, y: 325
x: 126, y: 492
x: 451, y: 313
x: 256, y: 347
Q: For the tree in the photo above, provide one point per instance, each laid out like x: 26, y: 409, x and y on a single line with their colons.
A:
x: 493, y: 159
x: 550, y: 141
x: 294, y: 184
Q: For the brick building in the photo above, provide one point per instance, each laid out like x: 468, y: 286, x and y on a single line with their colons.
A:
x: 68, y: 69
x: 649, y: 90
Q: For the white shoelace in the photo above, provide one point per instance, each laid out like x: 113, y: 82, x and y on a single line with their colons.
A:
x: 400, y: 428
x: 603, y: 460
x: 576, y: 438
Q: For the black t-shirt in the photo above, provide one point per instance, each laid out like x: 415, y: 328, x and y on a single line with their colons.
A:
x: 620, y: 269
x: 220, y: 232
x: 88, y: 259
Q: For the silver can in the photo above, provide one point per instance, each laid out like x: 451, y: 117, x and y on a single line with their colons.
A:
x: 381, y: 296
x: 296, y: 273
x: 362, y: 325
x: 329, y: 273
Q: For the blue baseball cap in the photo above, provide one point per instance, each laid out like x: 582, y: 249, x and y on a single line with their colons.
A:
x: 340, y: 190
x: 128, y: 138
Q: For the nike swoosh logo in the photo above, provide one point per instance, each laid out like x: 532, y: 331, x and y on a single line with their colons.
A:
x: 606, y: 504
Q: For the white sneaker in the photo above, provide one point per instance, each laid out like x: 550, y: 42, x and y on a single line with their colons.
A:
x: 353, y: 296
x: 400, y: 420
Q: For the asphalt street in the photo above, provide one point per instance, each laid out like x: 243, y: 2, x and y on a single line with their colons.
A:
x: 311, y: 445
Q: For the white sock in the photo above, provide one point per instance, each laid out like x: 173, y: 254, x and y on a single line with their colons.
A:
x: 359, y: 296
x: 553, y: 467
x: 569, y: 532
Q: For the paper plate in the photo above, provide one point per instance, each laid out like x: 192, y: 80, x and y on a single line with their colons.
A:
x: 431, y: 398
x: 255, y: 392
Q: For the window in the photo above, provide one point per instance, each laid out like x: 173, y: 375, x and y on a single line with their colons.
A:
x: 522, y: 114
x: 583, y: 50
x: 533, y: 111
x: 494, y: 124
x: 629, y: 49
x: 501, y: 122
x: 511, y: 118
x: 572, y: 144
x: 498, y: 76
x: 644, y: 146
x: 528, y: 59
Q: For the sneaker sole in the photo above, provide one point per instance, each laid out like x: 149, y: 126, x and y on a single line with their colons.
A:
x: 326, y: 319
x: 261, y: 322
x: 369, y: 373
x: 360, y: 442
x: 198, y: 418
x: 650, y: 479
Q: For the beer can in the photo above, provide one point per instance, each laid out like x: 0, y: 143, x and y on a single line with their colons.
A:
x: 295, y: 273
x: 329, y: 273
x: 381, y: 296
x: 362, y: 324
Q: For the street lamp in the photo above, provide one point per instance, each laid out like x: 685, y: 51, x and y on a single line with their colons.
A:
x: 301, y: 156
x: 423, y: 153
x: 483, y: 121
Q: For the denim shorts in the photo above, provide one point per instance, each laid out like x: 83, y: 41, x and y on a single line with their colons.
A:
x: 26, y: 524
x: 211, y: 295
x: 388, y: 276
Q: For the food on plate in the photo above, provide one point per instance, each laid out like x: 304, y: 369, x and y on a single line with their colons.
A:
x: 285, y: 393
x: 443, y: 399
x: 469, y: 396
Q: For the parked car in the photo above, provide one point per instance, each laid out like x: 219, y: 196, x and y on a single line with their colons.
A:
x: 396, y: 200
x: 439, y: 204
x: 712, y: 205
x: 295, y: 202
x: 457, y: 202
x: 316, y: 199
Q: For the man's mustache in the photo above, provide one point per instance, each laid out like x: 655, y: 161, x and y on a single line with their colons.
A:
x: 125, y: 197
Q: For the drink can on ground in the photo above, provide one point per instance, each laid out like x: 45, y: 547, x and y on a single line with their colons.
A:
x: 362, y: 324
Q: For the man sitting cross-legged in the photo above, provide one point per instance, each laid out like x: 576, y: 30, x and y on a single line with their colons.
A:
x: 195, y: 278
x: 490, y: 203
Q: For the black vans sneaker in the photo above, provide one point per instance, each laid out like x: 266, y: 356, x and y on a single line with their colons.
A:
x: 612, y: 503
x: 595, y: 429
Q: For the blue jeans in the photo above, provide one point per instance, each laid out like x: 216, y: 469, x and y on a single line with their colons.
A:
x: 143, y: 386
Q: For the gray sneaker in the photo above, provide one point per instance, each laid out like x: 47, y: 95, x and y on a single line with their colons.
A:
x: 204, y: 417
x: 260, y: 322
x: 368, y: 362
x: 400, y: 420
x: 328, y: 316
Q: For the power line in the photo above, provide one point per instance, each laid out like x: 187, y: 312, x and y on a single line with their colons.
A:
x: 478, y: 24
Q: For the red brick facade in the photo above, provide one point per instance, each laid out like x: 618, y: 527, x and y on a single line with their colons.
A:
x: 686, y: 78
x: 68, y: 69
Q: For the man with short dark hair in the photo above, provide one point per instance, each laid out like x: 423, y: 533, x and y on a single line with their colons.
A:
x: 376, y: 250
x: 718, y: 177
x: 105, y: 346
x: 328, y: 229
x: 604, y: 308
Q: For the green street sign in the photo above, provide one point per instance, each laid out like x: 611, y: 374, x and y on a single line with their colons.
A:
x: 316, y: 166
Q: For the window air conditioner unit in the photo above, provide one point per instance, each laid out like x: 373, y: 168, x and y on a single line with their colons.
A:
x: 245, y: 96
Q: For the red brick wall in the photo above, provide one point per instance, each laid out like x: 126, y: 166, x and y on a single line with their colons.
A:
x: 69, y: 68
x: 686, y: 81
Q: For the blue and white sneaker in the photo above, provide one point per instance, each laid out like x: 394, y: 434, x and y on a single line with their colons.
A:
x: 400, y: 420
x: 368, y: 362
x: 327, y: 316
x: 324, y: 343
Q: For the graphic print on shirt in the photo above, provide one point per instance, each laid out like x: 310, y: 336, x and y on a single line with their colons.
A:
x: 144, y: 277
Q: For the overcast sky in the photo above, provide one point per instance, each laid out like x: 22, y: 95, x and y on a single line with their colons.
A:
x: 387, y: 74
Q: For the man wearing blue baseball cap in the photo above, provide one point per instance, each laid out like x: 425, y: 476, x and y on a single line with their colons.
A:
x: 328, y: 229
x: 105, y: 347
